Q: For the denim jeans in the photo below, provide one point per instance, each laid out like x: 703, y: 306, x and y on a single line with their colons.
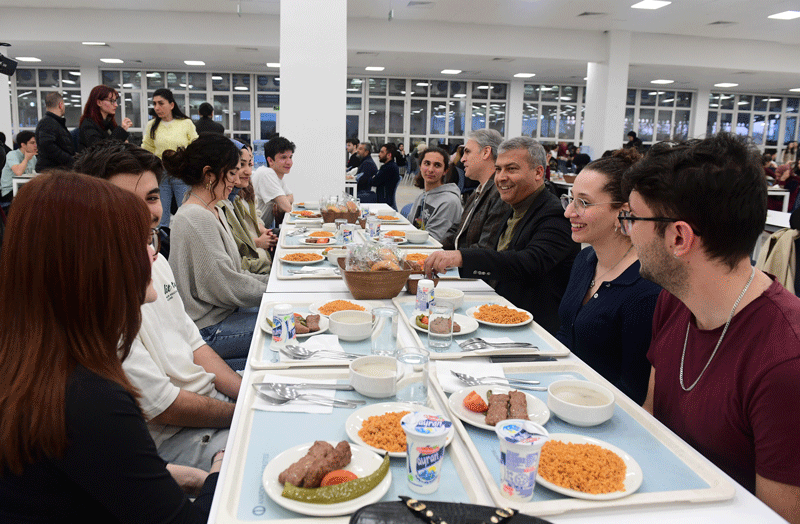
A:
x: 231, y: 337
x: 170, y: 187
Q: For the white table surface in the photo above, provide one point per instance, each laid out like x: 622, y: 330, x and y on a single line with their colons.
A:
x: 742, y: 508
x: 780, y: 192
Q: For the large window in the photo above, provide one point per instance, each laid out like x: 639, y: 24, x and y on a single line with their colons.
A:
x: 770, y: 120
x: 552, y: 113
x: 33, y: 85
x: 657, y: 115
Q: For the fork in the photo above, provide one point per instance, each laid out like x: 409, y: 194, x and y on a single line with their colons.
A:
x: 479, y: 343
x: 298, y: 231
x: 482, y: 381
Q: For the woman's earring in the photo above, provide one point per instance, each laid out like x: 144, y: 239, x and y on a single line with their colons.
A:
x: 208, y: 186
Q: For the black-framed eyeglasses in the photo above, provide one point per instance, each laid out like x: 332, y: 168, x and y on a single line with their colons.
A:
x: 580, y: 204
x: 155, y: 239
x: 112, y: 101
x: 626, y: 220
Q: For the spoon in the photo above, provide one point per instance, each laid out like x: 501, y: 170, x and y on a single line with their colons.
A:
x: 515, y: 380
x: 301, y: 353
x: 479, y: 343
x: 473, y: 381
x: 304, y: 385
x: 271, y: 397
x: 298, y: 231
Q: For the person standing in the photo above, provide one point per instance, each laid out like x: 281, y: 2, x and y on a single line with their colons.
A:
x: 169, y: 130
x: 56, y: 148
x: 206, y: 122
x: 366, y: 172
x: 98, y: 121
x: 725, y: 351
x: 19, y: 162
x: 385, y: 182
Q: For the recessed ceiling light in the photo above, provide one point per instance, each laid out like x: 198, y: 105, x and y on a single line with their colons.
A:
x: 93, y: 43
x: 273, y: 64
x: 451, y: 71
x: 65, y: 81
x: 217, y: 78
x: 786, y: 15
x: 524, y: 75
x: 459, y: 95
x: 374, y: 68
x: 422, y: 84
x: 650, y: 4
x: 27, y: 59
x: 111, y: 61
x: 483, y: 88
x: 662, y: 81
x: 241, y: 88
x: 795, y: 90
x: 725, y: 84
x: 194, y: 62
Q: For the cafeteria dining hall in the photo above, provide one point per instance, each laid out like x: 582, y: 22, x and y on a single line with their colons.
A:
x: 552, y: 277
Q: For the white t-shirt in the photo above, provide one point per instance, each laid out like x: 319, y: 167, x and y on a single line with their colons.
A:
x: 161, y: 361
x: 267, y: 187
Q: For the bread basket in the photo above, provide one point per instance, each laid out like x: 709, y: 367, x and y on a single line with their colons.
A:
x: 332, y: 216
x: 366, y: 285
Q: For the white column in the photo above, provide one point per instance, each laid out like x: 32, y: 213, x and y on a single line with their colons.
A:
x: 700, y: 113
x: 90, y: 77
x: 5, y: 107
x: 516, y: 93
x: 313, y: 78
x: 606, y: 90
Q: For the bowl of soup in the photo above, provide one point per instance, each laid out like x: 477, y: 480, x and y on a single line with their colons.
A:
x: 580, y: 403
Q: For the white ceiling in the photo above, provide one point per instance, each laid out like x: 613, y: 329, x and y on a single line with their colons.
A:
x: 690, y: 18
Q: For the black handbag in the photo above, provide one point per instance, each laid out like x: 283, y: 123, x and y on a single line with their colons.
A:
x: 412, y: 511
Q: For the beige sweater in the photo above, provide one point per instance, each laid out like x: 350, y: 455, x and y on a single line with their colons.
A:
x: 208, y: 268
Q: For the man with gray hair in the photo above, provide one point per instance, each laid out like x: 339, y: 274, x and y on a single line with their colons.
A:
x: 56, y: 148
x: 533, y: 255
x: 485, y: 212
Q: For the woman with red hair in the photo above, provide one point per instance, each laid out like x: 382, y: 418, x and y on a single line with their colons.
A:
x: 98, y: 122
x: 73, y: 443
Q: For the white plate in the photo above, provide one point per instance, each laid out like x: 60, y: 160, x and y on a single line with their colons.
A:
x: 537, y: 410
x: 363, y: 462
x: 314, y: 308
x: 468, y: 324
x: 633, y: 473
x: 471, y: 312
x: 323, y: 327
x: 332, y: 241
x: 394, y: 240
x: 305, y: 263
x: 356, y: 420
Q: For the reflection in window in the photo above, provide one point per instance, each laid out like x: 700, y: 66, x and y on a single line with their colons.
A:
x: 629, y: 116
x: 530, y: 119
x: 396, y: 116
x: 26, y: 104
x: 241, y: 112
x: 773, y: 127
x: 664, y: 127
x: 630, y: 99
x: 377, y: 115
x: 351, y: 126
x: 549, y: 93
x: 419, y: 117
x: 758, y: 129
x: 548, y: 121
x: 666, y: 98
x: 197, y: 81
x: 377, y: 86
x: 176, y: 81
x: 221, y: 81
x: 26, y: 77
x: 455, y: 125
x: 439, y: 88
x: 222, y: 108
x: 566, y: 122
x: 132, y: 79
x: 419, y: 87
x: 711, y: 123
x: 681, y: 125
x: 499, y: 91
x: 241, y: 82
x: 743, y: 124
x: 438, y: 114
x: 478, y: 116
x: 195, y: 99
x: 791, y: 130
x: 109, y: 78
x: 397, y: 87
x: 792, y: 105
x: 274, y: 100
x: 49, y: 78
x: 646, y: 124
x: 530, y: 92
x: 458, y: 89
x: 480, y: 90
x: 354, y: 85
x: 133, y: 107
x: 569, y: 94
x: 647, y: 98
x: 353, y: 103
x: 155, y: 80
x: 725, y: 122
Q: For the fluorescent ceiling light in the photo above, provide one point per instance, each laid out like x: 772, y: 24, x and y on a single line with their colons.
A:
x: 357, y: 81
x: 273, y: 64
x: 93, y: 43
x: 217, y: 78
x: 725, y: 84
x: 353, y: 89
x: 524, y: 75
x: 483, y: 88
x: 111, y: 61
x: 75, y: 73
x: 65, y: 81
x: 786, y: 15
x: 194, y: 62
x: 27, y: 59
x: 661, y: 81
x: 459, y: 95
x: 451, y: 71
x: 374, y: 68
x: 423, y: 84
x: 241, y: 88
x: 650, y: 4
x: 795, y: 90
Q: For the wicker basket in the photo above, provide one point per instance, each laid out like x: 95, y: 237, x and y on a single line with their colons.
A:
x: 366, y: 285
x: 332, y: 216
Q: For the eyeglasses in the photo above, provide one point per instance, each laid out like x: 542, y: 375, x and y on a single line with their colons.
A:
x: 626, y: 220
x: 112, y: 101
x: 155, y: 239
x: 580, y: 204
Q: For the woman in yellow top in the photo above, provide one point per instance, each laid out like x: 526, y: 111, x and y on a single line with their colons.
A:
x: 169, y: 130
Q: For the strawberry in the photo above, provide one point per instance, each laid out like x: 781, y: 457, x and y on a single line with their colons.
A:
x: 474, y: 402
x: 338, y: 476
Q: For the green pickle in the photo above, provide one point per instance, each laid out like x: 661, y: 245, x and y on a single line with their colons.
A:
x: 339, y: 492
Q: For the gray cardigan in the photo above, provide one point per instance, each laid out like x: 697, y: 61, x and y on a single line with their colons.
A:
x: 208, y: 267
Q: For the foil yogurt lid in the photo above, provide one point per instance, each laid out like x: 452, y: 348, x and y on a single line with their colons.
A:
x: 517, y: 431
x: 426, y: 424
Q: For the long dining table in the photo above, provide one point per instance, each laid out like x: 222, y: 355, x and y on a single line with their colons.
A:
x: 677, y: 483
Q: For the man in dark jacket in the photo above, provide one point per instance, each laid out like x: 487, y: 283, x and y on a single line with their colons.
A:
x: 485, y: 212
x: 534, y: 253
x: 354, y: 160
x: 206, y: 123
x: 56, y: 147
x: 366, y: 172
x: 388, y: 176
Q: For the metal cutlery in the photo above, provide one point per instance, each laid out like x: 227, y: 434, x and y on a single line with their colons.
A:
x: 301, y: 353
x: 298, y: 231
x: 478, y: 343
x: 475, y: 381
x: 277, y: 398
x: 305, y: 385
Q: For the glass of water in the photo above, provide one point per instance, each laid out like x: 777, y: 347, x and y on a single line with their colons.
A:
x: 412, y: 368
x: 440, y: 327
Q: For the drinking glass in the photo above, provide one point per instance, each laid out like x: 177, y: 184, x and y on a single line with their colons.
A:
x: 413, y: 366
x: 384, y: 331
x: 440, y: 327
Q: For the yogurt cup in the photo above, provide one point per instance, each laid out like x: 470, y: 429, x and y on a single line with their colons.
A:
x: 521, y: 444
x: 426, y: 435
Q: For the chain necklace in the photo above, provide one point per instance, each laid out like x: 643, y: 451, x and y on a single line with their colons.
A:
x: 591, y: 284
x: 201, y: 200
x: 728, y: 323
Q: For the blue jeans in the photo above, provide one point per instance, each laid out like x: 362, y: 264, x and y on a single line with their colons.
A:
x: 231, y: 337
x: 170, y: 187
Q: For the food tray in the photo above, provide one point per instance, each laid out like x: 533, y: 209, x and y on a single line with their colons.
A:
x: 673, y: 471
x: 262, y: 357
x: 431, y: 243
x: 262, y: 435
x: 283, y: 270
x: 532, y: 332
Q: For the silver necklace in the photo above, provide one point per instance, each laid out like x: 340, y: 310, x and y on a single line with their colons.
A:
x: 201, y: 200
x: 591, y: 284
x: 728, y: 323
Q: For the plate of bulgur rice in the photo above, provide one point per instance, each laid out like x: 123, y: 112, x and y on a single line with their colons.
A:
x: 377, y: 427
x: 500, y: 316
x: 587, y: 468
